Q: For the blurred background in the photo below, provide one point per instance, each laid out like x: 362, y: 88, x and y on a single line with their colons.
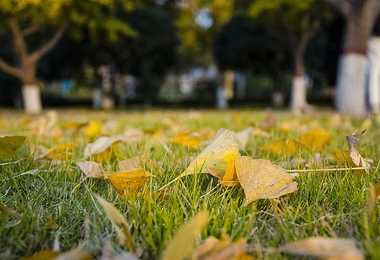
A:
x: 170, y: 53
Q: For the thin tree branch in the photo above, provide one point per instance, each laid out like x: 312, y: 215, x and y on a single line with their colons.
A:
x: 18, y: 39
x: 30, y: 30
x: 45, y: 48
x: 10, y: 69
x: 342, y: 6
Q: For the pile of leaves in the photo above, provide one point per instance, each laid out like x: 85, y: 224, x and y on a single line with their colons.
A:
x: 198, y: 185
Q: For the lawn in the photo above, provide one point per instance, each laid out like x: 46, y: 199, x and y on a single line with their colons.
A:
x: 48, y: 202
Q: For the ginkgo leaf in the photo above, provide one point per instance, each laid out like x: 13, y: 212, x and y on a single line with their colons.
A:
x: 284, y: 146
x: 51, y: 224
x: 259, y: 132
x: 99, y: 145
x: 119, y: 223
x: 328, y: 248
x: 189, y: 138
x: 214, y: 158
x: 132, y: 163
x: 343, y: 157
x: 261, y: 179
x: 230, y: 177
x: 316, y: 139
x: 61, y: 152
x: 223, y: 249
x: 367, y: 124
x: 47, y: 254
x: 242, y: 137
x: 91, y: 169
x: 182, y: 243
x: 222, y: 149
x: 373, y: 196
x: 9, y: 145
x: 93, y: 129
x: 129, y: 181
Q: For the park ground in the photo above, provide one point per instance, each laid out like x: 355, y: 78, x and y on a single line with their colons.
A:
x: 48, y: 202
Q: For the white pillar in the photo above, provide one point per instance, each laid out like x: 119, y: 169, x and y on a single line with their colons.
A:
x: 32, y: 98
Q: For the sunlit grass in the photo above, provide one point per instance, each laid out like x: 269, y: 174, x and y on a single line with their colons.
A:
x: 332, y: 204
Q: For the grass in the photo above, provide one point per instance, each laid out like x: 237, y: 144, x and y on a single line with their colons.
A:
x: 332, y: 204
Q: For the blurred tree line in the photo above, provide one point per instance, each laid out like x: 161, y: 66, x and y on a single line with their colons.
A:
x: 98, y: 42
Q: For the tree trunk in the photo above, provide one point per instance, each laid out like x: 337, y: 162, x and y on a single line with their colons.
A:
x: 298, y: 97
x: 32, y: 98
x: 350, y: 98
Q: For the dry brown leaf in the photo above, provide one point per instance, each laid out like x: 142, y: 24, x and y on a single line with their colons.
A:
x: 9, y: 212
x: 182, y: 243
x: 51, y: 224
x: 91, y: 169
x: 119, y: 223
x: 355, y: 156
x: 327, y: 248
x: 129, y: 181
x: 373, y: 196
x: 132, y: 163
x: 316, y: 139
x: 261, y: 179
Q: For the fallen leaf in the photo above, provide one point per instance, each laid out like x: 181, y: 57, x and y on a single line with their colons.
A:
x: 189, y: 138
x: 316, y: 139
x: 373, y: 196
x: 99, y: 145
x: 47, y: 254
x: 242, y: 137
x: 230, y: 177
x: 216, y: 155
x: 93, y: 129
x: 51, y: 224
x: 224, y: 249
x: 9, y: 212
x: 284, y: 146
x: 328, y: 248
x: 77, y: 253
x: 260, y: 179
x: 182, y: 243
x: 343, y: 157
x: 367, y: 124
x: 132, y: 163
x: 129, y: 181
x: 61, y: 152
x: 259, y: 132
x: 91, y: 169
x: 9, y: 145
x: 119, y: 223
x: 354, y: 154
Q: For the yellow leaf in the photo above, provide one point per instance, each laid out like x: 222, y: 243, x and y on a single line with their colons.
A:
x: 61, y: 152
x: 316, y: 139
x: 91, y: 169
x: 261, y: 179
x: 47, y: 254
x: 182, y: 243
x: 323, y: 247
x: 100, y: 145
x: 129, y: 181
x: 367, y: 123
x: 93, y: 129
x: 259, y: 132
x: 189, y: 138
x: 119, y: 223
x: 343, y: 157
x: 374, y: 195
x: 283, y: 147
x: 230, y: 177
x: 9, y: 144
x: 216, y: 155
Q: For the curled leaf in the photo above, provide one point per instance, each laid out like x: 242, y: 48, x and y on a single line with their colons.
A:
x: 129, y: 181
